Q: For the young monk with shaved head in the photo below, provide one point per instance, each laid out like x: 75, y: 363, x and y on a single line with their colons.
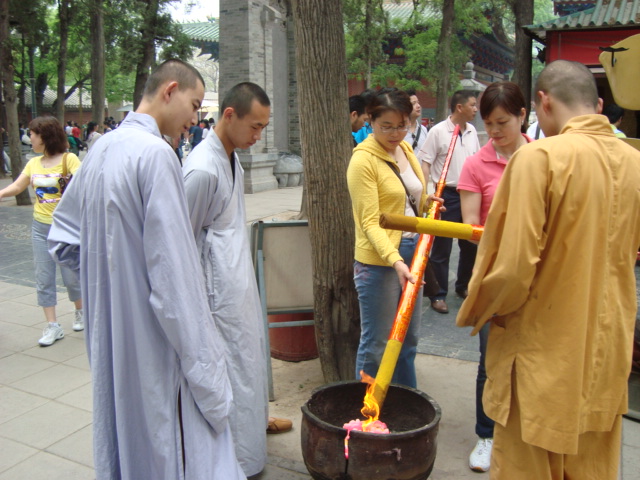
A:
x: 555, y: 278
x: 161, y: 391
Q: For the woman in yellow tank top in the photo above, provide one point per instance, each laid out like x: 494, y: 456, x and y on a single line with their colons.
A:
x: 45, y: 173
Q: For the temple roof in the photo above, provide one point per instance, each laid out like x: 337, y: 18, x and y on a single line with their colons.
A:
x: 402, y: 11
x: 605, y: 14
x: 72, y: 102
x: 566, y: 7
x: 202, y: 31
x: 204, y: 35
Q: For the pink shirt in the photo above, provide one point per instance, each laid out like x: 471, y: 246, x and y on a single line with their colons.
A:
x: 481, y: 173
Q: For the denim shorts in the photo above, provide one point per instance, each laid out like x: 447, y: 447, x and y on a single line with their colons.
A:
x: 379, y: 293
x: 46, y: 269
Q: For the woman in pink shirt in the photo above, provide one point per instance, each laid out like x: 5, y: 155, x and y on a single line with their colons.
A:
x: 503, y: 110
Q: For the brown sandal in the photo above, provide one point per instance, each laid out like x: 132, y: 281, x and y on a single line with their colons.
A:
x: 279, y: 425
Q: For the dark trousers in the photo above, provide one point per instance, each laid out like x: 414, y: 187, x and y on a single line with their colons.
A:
x: 484, y: 425
x: 441, y: 250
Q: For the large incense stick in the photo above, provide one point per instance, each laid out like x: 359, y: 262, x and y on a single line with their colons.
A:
x: 438, y: 228
x: 410, y: 291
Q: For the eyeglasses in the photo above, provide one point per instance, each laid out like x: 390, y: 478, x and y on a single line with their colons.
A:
x: 404, y: 129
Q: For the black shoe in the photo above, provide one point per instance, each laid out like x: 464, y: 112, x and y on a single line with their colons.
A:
x: 462, y: 293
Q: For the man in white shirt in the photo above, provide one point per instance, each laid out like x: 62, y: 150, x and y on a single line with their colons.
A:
x: 432, y: 155
x: 534, y: 131
x: 417, y: 134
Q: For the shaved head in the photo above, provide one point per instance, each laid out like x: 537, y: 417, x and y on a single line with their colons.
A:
x: 569, y: 82
x: 172, y: 70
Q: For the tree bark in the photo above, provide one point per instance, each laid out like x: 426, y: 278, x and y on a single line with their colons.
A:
x: 148, y: 50
x: 326, y: 149
x: 444, y: 52
x: 76, y: 86
x: 368, y: 8
x: 63, y: 14
x: 10, y: 99
x: 523, y: 12
x: 97, y: 62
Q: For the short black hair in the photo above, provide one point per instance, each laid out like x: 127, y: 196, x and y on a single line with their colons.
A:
x: 613, y: 112
x: 368, y: 95
x: 172, y: 70
x: 461, y: 97
x: 241, y: 96
x: 357, y: 104
x: 411, y: 92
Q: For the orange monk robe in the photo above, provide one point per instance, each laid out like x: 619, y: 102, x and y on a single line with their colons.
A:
x: 556, y: 264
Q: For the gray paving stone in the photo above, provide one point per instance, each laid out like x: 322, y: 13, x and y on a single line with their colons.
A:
x: 45, y: 425
x: 18, y: 366
x: 45, y: 466
x: 13, y: 453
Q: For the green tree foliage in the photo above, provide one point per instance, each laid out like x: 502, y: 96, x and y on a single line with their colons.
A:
x: 419, y: 35
x: 32, y: 44
x: 35, y: 28
x: 542, y: 12
x: 366, y: 28
x: 420, y: 38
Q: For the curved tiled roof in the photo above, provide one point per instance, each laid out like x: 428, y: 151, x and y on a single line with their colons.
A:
x: 402, y: 11
x: 202, y: 31
x: 605, y: 14
x: 51, y: 95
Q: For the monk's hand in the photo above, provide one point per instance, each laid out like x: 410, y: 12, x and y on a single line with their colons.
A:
x: 432, y: 198
x: 404, y: 274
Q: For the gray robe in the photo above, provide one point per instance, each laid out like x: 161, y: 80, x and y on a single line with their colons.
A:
x: 217, y: 211
x: 158, y: 365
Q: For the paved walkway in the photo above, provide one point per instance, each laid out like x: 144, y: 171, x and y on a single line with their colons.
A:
x: 45, y: 422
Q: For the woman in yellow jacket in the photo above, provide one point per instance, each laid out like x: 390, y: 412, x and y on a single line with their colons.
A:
x: 380, y: 168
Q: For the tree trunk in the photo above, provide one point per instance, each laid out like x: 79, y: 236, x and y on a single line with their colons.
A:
x: 22, y: 89
x: 63, y: 13
x: 326, y: 149
x: 97, y: 62
x: 76, y: 86
x: 148, y: 53
x: 444, y: 52
x: 523, y: 12
x: 368, y: 9
x: 11, y: 105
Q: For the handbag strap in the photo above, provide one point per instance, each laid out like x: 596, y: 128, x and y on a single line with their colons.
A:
x: 412, y: 200
x: 417, y: 137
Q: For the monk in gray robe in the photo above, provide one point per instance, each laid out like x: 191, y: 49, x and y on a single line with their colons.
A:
x: 214, y: 183
x: 161, y: 392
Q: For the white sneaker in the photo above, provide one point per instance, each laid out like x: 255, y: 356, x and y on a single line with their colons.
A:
x: 78, y: 322
x: 50, y: 334
x: 480, y: 458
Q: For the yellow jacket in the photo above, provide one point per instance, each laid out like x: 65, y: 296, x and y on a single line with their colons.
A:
x: 556, y: 262
x: 375, y: 188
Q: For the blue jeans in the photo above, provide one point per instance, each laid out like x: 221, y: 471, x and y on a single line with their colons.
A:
x: 442, y: 246
x: 46, y: 269
x: 484, y: 425
x: 379, y: 292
